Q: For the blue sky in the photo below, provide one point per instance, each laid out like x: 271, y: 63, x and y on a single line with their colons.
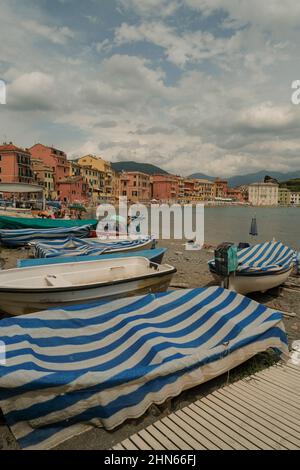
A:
x: 189, y: 85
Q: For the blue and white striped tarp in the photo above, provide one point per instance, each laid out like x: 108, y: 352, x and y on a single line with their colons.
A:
x: 68, y: 369
x: 76, y: 247
x: 264, y: 258
x: 15, y: 238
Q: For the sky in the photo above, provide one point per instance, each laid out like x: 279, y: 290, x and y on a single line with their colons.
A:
x: 188, y: 85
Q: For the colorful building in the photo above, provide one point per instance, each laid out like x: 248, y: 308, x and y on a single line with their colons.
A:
x: 295, y: 198
x: 136, y: 186
x: 165, y: 188
x: 44, y: 176
x: 221, y: 188
x: 284, y: 196
x: 97, y: 163
x: 72, y: 189
x: 263, y: 194
x: 206, y: 189
x: 15, y: 164
x: 54, y: 158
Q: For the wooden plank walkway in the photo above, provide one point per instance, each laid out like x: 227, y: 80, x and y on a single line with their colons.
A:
x: 259, y: 412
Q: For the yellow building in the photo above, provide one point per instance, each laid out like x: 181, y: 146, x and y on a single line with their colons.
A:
x: 44, y: 175
x: 284, y: 196
x: 93, y: 163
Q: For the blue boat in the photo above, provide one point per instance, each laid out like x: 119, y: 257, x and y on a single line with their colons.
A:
x: 156, y: 256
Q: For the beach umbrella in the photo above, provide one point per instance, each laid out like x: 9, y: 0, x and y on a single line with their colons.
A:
x: 253, y: 228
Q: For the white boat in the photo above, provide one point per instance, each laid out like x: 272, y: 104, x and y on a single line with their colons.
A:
x: 37, y: 288
x: 260, y: 267
x: 245, y: 284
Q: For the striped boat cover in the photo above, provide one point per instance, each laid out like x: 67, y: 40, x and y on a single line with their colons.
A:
x: 269, y: 257
x: 15, y: 238
x: 76, y: 247
x: 100, y: 365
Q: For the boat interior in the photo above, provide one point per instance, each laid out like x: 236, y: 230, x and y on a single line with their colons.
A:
x: 80, y: 274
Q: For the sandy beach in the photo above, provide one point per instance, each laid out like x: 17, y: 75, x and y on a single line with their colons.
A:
x: 192, y: 271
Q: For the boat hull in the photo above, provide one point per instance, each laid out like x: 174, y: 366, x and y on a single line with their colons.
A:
x: 244, y: 284
x: 155, y: 255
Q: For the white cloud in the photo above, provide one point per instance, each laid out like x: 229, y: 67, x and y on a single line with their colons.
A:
x: 57, y: 35
x: 149, y: 8
x: 179, y: 48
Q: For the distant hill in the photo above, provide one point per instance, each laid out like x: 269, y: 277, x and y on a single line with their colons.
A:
x: 202, y: 176
x: 253, y: 177
x: 292, y: 184
x: 147, y: 168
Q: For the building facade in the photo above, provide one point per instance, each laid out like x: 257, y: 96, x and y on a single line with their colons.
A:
x: 165, y: 188
x: 295, y: 198
x: 136, y: 186
x: 54, y: 158
x: 220, y: 188
x: 15, y: 164
x: 72, y: 189
x: 44, y: 176
x: 206, y: 190
x: 263, y: 194
x: 284, y: 196
x: 104, y: 167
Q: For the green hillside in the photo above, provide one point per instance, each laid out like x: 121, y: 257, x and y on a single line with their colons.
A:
x: 292, y: 185
x: 147, y: 168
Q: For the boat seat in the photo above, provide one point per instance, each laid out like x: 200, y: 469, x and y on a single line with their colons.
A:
x: 55, y: 280
x: 117, y: 271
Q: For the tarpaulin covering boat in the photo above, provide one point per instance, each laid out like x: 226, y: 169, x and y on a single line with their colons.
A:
x: 69, y: 369
x: 16, y: 238
x: 155, y: 255
x: 77, y: 247
x: 260, y: 267
x: 15, y: 223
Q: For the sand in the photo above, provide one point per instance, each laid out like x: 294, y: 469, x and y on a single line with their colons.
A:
x: 192, y: 271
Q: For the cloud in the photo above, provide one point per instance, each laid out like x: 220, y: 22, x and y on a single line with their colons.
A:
x: 57, y: 35
x: 31, y: 92
x: 179, y: 48
x: 150, y: 8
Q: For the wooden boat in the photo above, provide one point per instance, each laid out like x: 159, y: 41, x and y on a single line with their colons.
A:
x: 37, y: 288
x: 247, y: 283
x: 156, y: 256
x: 15, y: 223
x: 260, y: 268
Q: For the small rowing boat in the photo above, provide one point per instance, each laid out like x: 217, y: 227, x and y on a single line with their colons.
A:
x: 37, y: 288
x: 260, y: 268
x: 15, y: 223
x: 156, y: 256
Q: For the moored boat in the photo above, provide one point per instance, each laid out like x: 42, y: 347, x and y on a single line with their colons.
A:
x: 155, y: 255
x: 36, y: 288
x: 260, y: 268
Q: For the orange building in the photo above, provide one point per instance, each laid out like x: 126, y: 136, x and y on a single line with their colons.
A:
x: 136, y: 186
x: 221, y: 188
x: 15, y: 164
x: 165, y: 188
x: 72, y: 189
x: 54, y: 158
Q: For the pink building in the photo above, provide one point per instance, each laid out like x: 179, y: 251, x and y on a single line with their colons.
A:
x: 221, y: 188
x: 54, y: 158
x: 165, y: 188
x: 72, y: 189
x: 136, y: 186
x: 15, y: 164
